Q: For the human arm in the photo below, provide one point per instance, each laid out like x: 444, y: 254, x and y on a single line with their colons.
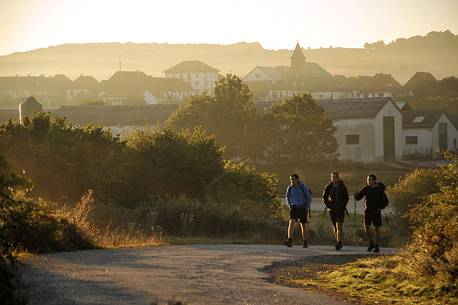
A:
x: 359, y: 195
x: 308, y: 198
x: 325, y: 196
x: 288, y: 195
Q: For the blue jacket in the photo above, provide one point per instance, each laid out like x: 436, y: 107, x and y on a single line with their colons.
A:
x: 298, y: 195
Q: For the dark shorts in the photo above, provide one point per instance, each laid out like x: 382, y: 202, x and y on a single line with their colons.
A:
x: 337, y: 216
x: 298, y: 213
x: 373, y: 217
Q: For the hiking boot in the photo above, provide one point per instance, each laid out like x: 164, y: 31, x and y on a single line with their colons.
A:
x: 288, y: 242
x: 376, y: 249
x: 305, y: 244
x: 371, y: 247
x: 339, y: 245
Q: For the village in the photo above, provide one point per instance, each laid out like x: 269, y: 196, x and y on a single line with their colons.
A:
x: 374, y: 122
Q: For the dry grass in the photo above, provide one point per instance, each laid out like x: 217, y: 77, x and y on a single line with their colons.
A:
x: 117, y: 238
x: 375, y: 280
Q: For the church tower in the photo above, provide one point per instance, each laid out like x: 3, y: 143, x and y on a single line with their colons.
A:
x: 297, y: 60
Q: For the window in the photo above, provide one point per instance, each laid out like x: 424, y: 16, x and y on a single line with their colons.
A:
x: 197, y: 83
x: 411, y: 140
x: 352, y: 139
x: 418, y: 119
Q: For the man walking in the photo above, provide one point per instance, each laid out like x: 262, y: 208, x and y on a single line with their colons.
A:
x: 335, y: 197
x: 374, y: 193
x: 299, y: 199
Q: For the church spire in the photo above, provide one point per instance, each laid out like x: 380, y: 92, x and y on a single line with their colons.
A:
x: 297, y: 60
x: 298, y: 52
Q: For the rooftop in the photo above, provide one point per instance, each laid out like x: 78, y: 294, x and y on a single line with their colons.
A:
x: 122, y: 115
x: 191, y: 66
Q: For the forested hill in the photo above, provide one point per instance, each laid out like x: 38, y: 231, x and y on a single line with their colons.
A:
x: 435, y: 53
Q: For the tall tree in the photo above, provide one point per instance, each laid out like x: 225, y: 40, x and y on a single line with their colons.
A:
x: 300, y: 132
x: 230, y: 115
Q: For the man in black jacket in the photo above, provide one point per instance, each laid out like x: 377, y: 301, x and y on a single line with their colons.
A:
x: 372, y: 213
x: 335, y: 197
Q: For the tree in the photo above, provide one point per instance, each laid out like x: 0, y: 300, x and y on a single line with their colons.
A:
x: 230, y: 115
x: 176, y: 162
x: 300, y: 132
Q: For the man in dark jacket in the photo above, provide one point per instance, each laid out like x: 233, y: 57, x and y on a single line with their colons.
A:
x: 372, y: 213
x: 335, y: 197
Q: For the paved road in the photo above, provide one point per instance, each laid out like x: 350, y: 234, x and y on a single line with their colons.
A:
x: 195, y: 274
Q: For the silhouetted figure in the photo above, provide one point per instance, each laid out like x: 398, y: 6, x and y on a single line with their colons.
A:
x: 335, y: 197
x: 375, y: 194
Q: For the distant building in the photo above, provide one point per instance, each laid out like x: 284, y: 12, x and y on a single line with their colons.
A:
x: 83, y: 85
x: 135, y: 87
x: 120, y: 119
x: 200, y: 76
x: 427, y: 133
x: 418, y: 80
x: 307, y: 77
x: 299, y: 71
x: 28, y: 107
x: 49, y: 90
x: 367, y: 129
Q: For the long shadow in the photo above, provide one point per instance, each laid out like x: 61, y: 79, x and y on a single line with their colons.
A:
x: 129, y: 258
x: 316, y: 259
x: 43, y: 287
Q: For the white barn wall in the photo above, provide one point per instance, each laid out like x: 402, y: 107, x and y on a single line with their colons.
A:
x: 424, y: 140
x: 451, y: 134
x: 365, y: 150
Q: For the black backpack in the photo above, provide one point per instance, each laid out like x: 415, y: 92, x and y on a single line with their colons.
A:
x: 383, y: 201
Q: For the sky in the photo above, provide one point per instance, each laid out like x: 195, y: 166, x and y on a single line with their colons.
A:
x: 276, y: 24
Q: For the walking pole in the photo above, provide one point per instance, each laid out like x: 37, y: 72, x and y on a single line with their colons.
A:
x: 354, y: 219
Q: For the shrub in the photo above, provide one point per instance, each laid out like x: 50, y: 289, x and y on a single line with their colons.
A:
x: 180, y: 216
x: 411, y: 190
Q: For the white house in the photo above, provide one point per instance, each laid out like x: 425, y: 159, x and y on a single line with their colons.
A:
x: 200, y: 76
x: 427, y: 133
x: 367, y: 129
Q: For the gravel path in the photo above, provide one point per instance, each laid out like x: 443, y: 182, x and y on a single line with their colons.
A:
x: 195, y: 274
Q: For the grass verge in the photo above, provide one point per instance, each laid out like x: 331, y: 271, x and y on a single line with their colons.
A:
x: 370, y: 280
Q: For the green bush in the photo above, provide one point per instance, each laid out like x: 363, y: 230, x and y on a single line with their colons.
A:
x: 434, y: 249
x: 410, y: 191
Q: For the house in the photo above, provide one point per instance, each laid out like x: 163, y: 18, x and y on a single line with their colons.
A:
x: 367, y: 129
x: 135, y: 87
x: 48, y: 90
x: 197, y: 74
x: 162, y: 90
x: 84, y: 85
x: 28, y: 107
x: 120, y: 119
x: 419, y: 80
x: 427, y: 133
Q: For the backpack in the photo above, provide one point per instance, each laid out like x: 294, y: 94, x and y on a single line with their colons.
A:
x: 383, y: 201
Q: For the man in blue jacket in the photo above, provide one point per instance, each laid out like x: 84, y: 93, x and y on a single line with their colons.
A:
x: 299, y: 199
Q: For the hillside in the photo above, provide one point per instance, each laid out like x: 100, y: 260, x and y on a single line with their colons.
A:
x: 435, y: 53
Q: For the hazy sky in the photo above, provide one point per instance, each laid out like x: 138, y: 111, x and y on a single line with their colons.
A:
x: 276, y: 24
